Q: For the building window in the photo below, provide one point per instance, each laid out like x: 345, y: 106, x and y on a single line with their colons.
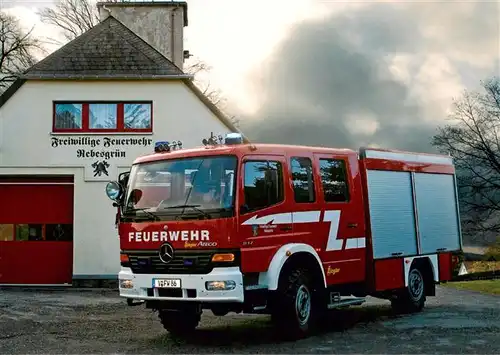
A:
x: 263, y: 184
x: 36, y: 232
x: 103, y: 116
x: 137, y: 116
x: 6, y: 232
x: 303, y: 180
x: 68, y: 116
x: 82, y: 117
x: 334, y: 180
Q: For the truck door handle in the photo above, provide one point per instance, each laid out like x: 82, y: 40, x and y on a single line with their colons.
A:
x: 352, y: 225
x: 286, y: 228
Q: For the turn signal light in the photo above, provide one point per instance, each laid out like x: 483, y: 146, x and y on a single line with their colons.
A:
x: 124, y: 261
x: 218, y: 258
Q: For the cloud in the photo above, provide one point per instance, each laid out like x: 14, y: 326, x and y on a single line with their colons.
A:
x: 382, y: 74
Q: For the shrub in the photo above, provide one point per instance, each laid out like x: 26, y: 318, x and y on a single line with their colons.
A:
x: 493, y: 251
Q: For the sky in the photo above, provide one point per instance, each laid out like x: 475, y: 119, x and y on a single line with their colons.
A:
x: 337, y: 73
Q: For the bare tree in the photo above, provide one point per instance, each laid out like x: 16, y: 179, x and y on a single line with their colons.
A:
x: 473, y: 140
x: 74, y: 17
x: 199, y: 67
x: 17, y: 48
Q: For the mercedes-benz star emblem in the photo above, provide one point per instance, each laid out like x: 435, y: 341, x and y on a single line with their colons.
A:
x: 166, y: 253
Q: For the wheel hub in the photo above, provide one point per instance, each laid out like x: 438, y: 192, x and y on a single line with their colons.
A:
x: 303, y: 304
x: 416, y: 285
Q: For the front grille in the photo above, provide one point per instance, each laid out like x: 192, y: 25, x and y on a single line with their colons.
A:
x: 184, y: 261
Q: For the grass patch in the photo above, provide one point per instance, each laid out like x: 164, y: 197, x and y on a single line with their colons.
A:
x: 482, y: 266
x: 484, y: 286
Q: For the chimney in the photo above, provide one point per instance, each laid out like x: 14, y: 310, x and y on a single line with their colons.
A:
x: 160, y: 23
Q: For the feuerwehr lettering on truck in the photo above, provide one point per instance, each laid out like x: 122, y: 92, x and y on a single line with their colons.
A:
x: 170, y: 236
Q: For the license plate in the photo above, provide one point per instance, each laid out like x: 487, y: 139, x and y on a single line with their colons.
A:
x: 167, y: 283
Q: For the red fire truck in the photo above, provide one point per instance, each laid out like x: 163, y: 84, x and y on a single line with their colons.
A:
x: 290, y: 231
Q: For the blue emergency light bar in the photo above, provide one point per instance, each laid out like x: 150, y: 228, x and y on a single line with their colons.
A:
x: 233, y: 138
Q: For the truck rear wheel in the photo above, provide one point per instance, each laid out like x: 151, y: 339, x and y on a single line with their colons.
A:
x: 294, y: 311
x: 412, y: 298
x: 179, y: 322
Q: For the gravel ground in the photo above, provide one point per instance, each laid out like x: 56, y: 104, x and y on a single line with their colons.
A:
x: 100, y: 322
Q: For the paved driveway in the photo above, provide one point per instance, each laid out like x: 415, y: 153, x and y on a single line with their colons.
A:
x: 100, y: 322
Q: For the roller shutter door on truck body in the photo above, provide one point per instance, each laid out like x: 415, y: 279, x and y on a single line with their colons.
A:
x: 438, y: 224
x: 392, y: 213
x: 36, y: 231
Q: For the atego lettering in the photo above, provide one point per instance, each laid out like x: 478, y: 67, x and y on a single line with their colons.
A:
x: 169, y: 236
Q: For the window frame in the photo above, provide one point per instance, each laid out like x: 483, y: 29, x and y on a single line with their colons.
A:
x: 283, y: 182
x: 120, y: 117
x: 344, y: 167
x: 43, y: 231
x: 314, y: 188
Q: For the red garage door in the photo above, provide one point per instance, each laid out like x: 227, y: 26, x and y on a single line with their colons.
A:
x: 36, y: 230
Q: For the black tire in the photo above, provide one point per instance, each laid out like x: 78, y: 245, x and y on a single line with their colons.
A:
x: 294, y: 312
x: 179, y: 322
x: 412, y: 298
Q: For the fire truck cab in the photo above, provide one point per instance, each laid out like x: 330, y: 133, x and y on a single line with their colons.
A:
x: 290, y: 231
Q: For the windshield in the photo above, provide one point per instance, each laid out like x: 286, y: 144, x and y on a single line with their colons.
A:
x: 191, y: 185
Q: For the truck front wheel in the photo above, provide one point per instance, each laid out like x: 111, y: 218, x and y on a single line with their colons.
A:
x: 179, y: 322
x: 412, y: 298
x: 294, y: 310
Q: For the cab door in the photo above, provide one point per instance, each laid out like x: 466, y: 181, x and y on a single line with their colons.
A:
x: 265, y: 218
x: 342, y: 232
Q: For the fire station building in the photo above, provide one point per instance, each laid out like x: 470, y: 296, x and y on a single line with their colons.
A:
x: 73, y: 122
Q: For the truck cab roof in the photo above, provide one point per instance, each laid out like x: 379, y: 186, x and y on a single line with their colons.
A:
x: 240, y: 150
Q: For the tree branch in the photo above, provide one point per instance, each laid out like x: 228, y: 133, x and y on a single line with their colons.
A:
x: 17, y: 49
x: 473, y: 141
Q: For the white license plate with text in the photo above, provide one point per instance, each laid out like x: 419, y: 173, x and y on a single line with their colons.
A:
x: 167, y: 283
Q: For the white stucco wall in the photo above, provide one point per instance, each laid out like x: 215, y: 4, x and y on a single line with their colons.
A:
x: 25, y: 148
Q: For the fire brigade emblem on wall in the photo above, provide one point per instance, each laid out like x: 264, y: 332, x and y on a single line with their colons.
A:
x: 100, y: 167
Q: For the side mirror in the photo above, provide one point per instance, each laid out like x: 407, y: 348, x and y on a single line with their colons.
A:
x: 114, y: 190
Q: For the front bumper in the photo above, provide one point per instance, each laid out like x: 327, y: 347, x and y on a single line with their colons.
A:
x: 192, y: 286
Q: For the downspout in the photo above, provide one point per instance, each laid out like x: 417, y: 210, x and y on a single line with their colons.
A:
x: 172, y: 35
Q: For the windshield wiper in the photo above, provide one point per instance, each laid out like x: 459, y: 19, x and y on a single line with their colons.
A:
x: 145, y: 210
x: 194, y: 207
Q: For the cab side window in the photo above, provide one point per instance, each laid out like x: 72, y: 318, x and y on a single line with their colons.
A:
x: 334, y: 180
x: 263, y: 184
x: 303, y: 181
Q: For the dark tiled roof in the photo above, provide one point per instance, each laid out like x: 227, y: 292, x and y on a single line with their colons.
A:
x: 108, y: 50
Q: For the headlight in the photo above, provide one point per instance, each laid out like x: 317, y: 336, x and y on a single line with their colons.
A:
x: 126, y: 284
x: 220, y: 285
x: 113, y: 190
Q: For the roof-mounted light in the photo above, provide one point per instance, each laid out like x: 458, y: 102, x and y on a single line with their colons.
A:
x: 234, y: 138
x: 212, y: 140
x: 166, y: 146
